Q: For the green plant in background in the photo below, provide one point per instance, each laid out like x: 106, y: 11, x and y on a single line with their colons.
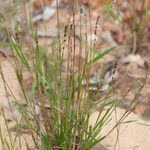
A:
x: 132, y: 16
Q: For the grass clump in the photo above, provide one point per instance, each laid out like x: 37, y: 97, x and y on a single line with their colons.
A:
x: 57, y: 106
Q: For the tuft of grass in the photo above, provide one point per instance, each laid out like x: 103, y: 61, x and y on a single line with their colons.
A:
x: 58, y: 107
x: 133, y: 18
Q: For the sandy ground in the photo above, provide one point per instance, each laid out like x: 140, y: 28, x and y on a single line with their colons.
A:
x: 132, y: 136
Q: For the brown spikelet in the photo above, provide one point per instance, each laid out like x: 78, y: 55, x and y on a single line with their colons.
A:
x: 96, y: 26
x: 65, y: 36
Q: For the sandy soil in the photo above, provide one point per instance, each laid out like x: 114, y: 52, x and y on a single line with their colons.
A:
x: 132, y: 136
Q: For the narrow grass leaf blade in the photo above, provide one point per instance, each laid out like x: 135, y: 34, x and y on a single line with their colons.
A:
x: 100, y: 55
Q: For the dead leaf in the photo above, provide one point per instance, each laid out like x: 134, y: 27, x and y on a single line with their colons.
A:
x: 39, y: 3
x: 48, y: 12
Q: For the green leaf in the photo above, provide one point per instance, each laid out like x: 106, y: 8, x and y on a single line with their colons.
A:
x: 46, y: 141
x: 20, y: 54
x: 100, y: 55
